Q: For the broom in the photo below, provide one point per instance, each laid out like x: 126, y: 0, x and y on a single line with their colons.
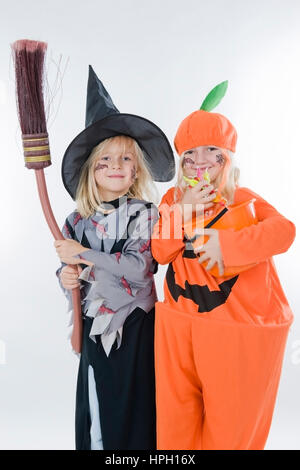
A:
x: 29, y: 58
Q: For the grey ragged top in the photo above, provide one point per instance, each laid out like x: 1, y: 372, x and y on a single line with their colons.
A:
x: 121, y: 277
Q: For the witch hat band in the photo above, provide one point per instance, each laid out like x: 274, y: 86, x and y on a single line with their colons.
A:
x: 103, y: 120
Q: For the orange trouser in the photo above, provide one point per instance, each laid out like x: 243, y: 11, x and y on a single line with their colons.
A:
x: 216, y: 382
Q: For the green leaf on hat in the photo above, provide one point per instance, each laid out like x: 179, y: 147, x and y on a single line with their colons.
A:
x: 214, y: 96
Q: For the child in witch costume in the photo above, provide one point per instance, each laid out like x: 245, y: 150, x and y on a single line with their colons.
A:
x: 221, y: 330
x: 107, y: 169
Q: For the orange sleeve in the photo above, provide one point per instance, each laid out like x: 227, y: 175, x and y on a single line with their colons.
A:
x: 168, y: 233
x: 272, y: 235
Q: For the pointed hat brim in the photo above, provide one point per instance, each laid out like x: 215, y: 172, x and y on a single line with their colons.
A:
x: 153, y: 142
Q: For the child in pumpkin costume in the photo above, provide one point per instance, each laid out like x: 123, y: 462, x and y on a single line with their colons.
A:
x: 219, y: 340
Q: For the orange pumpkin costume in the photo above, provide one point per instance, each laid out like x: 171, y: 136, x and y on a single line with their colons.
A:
x: 219, y: 341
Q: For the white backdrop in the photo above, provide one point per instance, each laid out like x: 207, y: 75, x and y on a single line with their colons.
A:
x: 157, y: 59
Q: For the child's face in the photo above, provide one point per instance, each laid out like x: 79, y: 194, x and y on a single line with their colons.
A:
x: 203, y: 157
x: 115, y: 171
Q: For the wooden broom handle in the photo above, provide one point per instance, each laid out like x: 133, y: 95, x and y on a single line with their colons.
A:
x: 76, y: 338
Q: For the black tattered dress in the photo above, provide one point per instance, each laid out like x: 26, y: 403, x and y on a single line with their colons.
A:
x: 115, y: 396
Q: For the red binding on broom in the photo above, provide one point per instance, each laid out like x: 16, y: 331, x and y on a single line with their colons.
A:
x: 29, y: 67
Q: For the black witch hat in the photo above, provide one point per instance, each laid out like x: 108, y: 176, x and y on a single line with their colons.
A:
x: 103, y: 120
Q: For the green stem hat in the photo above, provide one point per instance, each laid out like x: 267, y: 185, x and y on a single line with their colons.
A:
x: 205, y: 128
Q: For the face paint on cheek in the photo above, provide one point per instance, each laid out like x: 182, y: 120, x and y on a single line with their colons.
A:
x: 188, y: 161
x: 100, y: 166
x: 133, y: 173
x: 220, y: 159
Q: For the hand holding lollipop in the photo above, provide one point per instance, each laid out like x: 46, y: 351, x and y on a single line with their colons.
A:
x: 205, y: 177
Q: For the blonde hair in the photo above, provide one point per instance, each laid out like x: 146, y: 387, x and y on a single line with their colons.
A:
x: 88, y: 196
x: 230, y: 184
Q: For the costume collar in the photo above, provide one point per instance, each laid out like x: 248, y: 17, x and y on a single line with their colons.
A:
x: 107, y: 207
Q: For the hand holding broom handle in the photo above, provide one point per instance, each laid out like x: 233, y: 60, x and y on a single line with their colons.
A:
x: 29, y: 66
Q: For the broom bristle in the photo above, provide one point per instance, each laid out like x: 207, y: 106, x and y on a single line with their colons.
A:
x: 29, y: 65
x: 29, y: 59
